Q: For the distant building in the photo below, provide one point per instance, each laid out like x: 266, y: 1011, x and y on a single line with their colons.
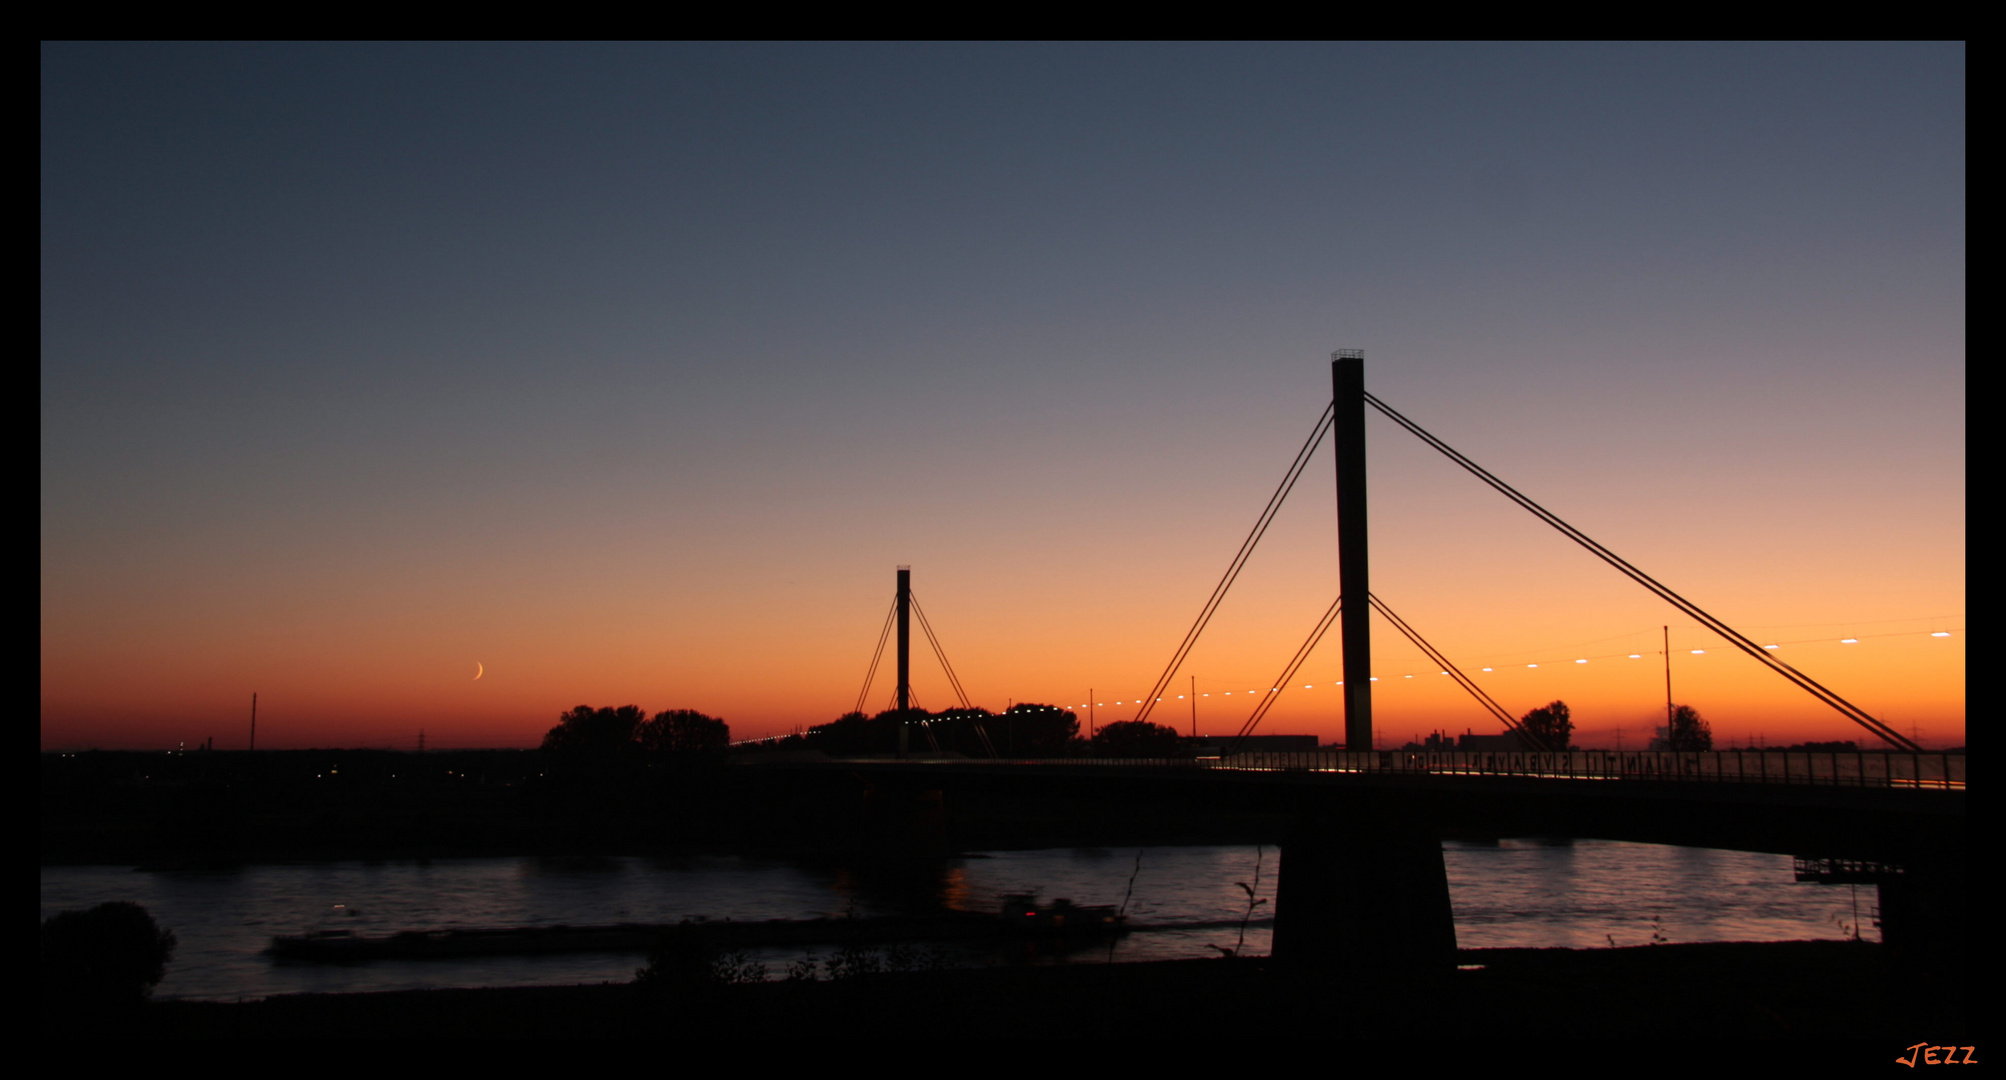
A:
x: 1509, y: 742
x: 1252, y: 744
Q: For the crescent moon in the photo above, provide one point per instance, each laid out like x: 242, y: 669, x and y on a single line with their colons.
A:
x: 479, y: 670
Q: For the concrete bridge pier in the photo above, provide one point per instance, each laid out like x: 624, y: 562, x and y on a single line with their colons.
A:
x: 1363, y: 896
x: 1922, y: 911
x: 905, y: 818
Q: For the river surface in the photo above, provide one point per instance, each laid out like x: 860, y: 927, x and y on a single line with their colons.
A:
x: 1514, y: 893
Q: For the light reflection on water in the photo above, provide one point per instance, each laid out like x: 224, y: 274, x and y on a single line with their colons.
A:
x: 1513, y: 893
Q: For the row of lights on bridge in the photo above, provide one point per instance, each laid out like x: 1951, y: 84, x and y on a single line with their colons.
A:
x: 1582, y: 660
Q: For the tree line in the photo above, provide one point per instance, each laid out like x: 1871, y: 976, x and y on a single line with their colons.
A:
x: 587, y: 731
x: 1551, y: 726
x: 1026, y: 729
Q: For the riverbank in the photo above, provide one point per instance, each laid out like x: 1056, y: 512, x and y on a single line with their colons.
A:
x: 1787, y: 990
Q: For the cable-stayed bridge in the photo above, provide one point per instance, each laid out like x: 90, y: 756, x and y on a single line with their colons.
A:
x: 1363, y: 881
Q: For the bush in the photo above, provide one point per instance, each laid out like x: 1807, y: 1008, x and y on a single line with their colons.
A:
x: 102, y: 961
x: 686, y: 963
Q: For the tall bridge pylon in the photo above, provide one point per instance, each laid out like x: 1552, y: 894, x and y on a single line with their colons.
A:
x: 1347, y: 380
x: 905, y: 644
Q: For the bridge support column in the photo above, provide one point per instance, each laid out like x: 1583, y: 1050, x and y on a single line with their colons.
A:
x: 1922, y: 911
x: 1362, y: 896
x: 904, y: 694
x: 905, y: 819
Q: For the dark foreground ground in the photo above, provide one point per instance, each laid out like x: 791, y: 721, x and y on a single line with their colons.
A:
x: 1815, y: 991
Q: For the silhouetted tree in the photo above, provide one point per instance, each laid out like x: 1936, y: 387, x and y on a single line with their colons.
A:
x: 683, y: 731
x: 1549, y: 725
x: 595, y: 764
x: 594, y: 732
x: 974, y: 731
x: 100, y: 964
x: 1029, y: 729
x: 855, y: 733
x: 1136, y: 738
x: 1689, y: 730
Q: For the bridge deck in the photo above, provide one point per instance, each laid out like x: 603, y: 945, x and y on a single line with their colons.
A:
x: 1796, y: 768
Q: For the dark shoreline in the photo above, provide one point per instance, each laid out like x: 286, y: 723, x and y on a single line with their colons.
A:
x: 1811, y: 990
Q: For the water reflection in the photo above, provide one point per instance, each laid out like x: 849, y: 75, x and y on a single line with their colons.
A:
x: 574, y: 864
x: 1509, y: 893
x: 899, y: 887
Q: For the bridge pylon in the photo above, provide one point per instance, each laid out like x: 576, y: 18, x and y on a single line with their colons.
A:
x: 905, y: 653
x: 1347, y: 378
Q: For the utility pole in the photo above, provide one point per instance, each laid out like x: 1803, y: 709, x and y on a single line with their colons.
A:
x: 254, y: 719
x: 1194, y: 706
x: 1347, y: 379
x: 1668, y: 687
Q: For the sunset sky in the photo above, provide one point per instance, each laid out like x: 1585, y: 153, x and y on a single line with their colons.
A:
x: 630, y: 373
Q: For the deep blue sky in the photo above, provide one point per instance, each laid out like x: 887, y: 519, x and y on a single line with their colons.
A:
x: 452, y: 345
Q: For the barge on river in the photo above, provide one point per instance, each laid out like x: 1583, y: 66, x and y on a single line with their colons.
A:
x: 1021, y: 915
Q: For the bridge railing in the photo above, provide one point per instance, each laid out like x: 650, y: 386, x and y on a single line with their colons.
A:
x: 1839, y: 768
x: 1843, y: 768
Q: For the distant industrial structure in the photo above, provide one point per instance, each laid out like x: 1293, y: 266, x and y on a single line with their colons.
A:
x: 1508, y: 742
x: 1213, y: 745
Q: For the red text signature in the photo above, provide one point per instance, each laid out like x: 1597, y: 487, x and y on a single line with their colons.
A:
x: 1925, y: 1054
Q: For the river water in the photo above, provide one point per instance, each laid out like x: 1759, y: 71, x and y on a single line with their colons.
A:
x: 1513, y: 893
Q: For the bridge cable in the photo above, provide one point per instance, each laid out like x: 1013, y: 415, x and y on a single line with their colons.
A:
x: 939, y: 653
x: 1316, y: 636
x: 912, y: 700
x: 981, y: 734
x: 871, y: 672
x: 1488, y: 702
x: 1267, y: 517
x: 1733, y: 637
x: 1268, y: 700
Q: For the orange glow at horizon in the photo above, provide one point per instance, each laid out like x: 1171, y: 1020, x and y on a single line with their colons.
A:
x: 368, y: 650
x: 768, y: 667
